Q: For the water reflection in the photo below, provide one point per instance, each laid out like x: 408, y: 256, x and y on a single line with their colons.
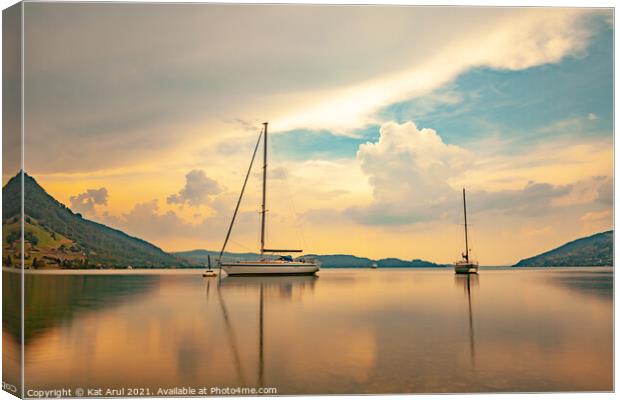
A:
x: 348, y: 331
x: 11, y: 329
x: 596, y: 282
x: 284, y: 287
x: 230, y: 333
x: 287, y: 288
x: 468, y: 282
x: 51, y: 300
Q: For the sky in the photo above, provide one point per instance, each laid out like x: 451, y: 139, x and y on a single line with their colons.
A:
x: 144, y: 117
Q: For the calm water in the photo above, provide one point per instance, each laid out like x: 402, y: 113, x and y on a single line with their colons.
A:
x: 345, y: 331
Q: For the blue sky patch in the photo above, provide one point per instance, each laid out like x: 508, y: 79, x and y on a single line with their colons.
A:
x: 573, y: 97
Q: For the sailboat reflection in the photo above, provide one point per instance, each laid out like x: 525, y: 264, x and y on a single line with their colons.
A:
x: 285, y: 287
x: 468, y: 282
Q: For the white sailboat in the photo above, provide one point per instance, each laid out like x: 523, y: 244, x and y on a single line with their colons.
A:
x: 465, y: 266
x: 271, y: 262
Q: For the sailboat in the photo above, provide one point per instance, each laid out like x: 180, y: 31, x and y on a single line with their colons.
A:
x: 275, y: 264
x: 465, y: 266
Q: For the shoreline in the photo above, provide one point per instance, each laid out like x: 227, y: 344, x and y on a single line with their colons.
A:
x: 199, y: 271
x: 144, y: 271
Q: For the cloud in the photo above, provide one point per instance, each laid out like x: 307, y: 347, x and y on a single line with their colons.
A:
x: 533, y: 199
x: 593, y: 221
x: 606, y: 191
x: 146, y: 220
x: 144, y: 217
x: 410, y: 171
x: 145, y: 79
x: 198, y: 190
x: 519, y: 41
x: 596, y: 189
x: 85, y: 202
x: 596, y: 216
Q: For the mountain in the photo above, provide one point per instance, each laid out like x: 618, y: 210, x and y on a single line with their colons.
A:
x: 55, y: 236
x: 397, y: 263
x: 595, y: 250
x: 200, y: 256
x: 327, y: 261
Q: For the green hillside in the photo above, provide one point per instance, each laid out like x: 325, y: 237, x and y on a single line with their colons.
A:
x: 595, y: 250
x: 57, y: 237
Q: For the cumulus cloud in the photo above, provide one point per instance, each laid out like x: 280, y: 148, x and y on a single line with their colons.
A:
x: 85, y: 202
x: 410, y: 171
x: 198, y: 189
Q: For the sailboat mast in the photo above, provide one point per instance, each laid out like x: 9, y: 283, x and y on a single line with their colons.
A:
x: 465, y: 214
x: 263, y: 206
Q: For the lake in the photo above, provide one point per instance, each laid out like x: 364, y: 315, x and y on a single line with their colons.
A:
x: 343, y: 331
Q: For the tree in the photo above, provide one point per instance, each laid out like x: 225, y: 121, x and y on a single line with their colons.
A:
x: 32, y: 238
x: 13, y: 236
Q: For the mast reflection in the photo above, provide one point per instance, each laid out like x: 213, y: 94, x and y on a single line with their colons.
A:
x: 468, y: 282
x: 230, y: 333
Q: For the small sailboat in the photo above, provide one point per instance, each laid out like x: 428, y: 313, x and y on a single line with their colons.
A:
x: 209, y: 273
x: 465, y: 265
x: 374, y: 265
x: 271, y: 262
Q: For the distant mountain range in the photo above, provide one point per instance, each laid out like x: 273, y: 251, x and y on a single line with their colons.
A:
x: 595, y: 250
x: 56, y: 237
x: 327, y: 261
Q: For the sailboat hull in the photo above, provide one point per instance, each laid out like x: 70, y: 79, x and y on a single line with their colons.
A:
x: 269, y: 268
x: 466, y: 268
